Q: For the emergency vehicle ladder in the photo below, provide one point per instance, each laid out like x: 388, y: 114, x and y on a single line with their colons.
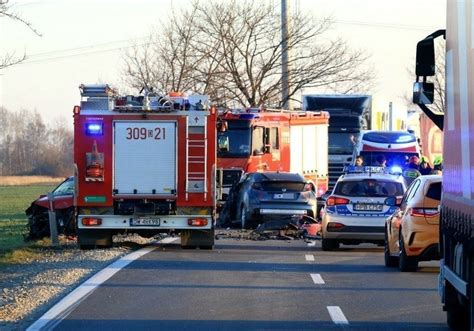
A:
x: 196, y: 155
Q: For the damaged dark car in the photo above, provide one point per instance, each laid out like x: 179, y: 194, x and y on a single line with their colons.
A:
x: 273, y: 198
x: 63, y: 204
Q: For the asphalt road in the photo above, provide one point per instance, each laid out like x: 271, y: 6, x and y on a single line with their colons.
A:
x: 244, y: 285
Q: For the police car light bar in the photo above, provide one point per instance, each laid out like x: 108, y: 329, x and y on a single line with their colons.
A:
x: 351, y: 169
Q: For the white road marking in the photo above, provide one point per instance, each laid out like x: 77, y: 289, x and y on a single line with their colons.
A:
x: 60, y: 310
x: 309, y: 257
x: 337, y: 315
x: 312, y: 243
x: 317, y: 279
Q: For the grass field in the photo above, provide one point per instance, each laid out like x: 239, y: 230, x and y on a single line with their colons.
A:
x: 13, y: 202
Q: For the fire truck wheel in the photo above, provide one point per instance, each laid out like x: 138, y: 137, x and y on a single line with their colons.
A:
x: 191, y: 239
x: 93, y: 238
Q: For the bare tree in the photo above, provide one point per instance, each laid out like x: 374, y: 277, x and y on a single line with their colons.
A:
x: 29, y: 147
x: 9, y: 58
x: 232, y: 51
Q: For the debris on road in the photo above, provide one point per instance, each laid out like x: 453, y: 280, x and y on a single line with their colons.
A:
x: 290, y: 228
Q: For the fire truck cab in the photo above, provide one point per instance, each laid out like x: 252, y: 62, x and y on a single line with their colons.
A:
x: 255, y: 140
x: 144, y: 164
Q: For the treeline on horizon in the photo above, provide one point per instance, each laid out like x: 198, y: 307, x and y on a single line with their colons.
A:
x: 29, y: 146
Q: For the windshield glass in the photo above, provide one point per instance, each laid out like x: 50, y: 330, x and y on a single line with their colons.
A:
x: 341, y: 143
x: 239, y: 142
x: 65, y: 188
x: 393, y: 159
x: 369, y: 188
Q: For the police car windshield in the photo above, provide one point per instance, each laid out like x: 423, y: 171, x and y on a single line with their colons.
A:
x: 368, y: 188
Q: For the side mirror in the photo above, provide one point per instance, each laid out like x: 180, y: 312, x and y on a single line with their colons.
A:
x: 222, y: 126
x: 223, y: 143
x: 423, y: 93
x: 425, y: 57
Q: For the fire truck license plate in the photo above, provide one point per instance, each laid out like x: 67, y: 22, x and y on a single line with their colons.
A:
x: 145, y: 221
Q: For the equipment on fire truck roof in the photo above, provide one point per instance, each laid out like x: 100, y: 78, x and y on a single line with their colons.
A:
x: 105, y: 98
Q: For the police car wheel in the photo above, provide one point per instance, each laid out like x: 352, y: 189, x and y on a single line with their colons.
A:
x: 329, y: 244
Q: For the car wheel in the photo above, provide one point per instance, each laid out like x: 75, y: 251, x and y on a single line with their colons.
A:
x: 390, y: 261
x: 243, y: 218
x: 329, y: 244
x: 406, y: 263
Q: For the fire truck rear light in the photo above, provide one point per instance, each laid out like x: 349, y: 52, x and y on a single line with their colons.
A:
x: 88, y: 221
x: 94, y: 129
x: 197, y: 221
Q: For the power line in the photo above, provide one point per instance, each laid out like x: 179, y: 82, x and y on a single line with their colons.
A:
x: 88, y: 46
x: 51, y: 55
x: 388, y: 25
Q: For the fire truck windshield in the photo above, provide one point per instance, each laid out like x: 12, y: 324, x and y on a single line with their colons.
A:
x: 341, y: 143
x: 239, y: 142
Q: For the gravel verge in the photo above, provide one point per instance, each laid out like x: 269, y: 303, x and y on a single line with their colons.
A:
x: 31, y: 288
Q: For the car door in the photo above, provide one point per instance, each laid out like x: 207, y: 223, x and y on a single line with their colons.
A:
x: 396, y: 219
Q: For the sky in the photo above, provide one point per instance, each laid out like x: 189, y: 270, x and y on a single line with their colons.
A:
x: 83, y: 41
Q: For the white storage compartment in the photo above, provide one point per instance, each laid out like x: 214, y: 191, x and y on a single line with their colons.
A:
x: 144, y: 157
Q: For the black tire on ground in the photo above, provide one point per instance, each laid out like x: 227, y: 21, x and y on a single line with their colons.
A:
x: 94, y: 238
x: 390, y: 261
x: 457, y: 316
x: 406, y: 263
x: 191, y: 239
x: 188, y: 246
x: 329, y: 244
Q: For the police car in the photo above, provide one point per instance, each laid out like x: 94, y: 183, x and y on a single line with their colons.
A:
x: 361, y: 200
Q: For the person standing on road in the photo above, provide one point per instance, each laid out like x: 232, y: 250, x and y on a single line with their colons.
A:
x: 413, y: 163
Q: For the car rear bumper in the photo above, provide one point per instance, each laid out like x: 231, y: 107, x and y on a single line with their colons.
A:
x: 357, y: 228
x: 357, y: 233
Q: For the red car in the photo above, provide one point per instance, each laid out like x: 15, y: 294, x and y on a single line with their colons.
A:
x: 63, y: 203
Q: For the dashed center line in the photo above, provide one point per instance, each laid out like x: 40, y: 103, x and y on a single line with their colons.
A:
x: 309, y: 257
x: 317, y: 279
x: 337, y: 315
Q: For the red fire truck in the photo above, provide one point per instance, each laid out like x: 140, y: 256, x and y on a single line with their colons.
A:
x: 272, y: 140
x: 144, y: 164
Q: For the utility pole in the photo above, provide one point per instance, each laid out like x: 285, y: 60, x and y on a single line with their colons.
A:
x: 285, y: 55
x: 390, y: 116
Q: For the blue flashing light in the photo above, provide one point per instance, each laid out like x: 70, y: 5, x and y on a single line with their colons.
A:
x: 396, y: 170
x: 247, y: 116
x: 94, y: 129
